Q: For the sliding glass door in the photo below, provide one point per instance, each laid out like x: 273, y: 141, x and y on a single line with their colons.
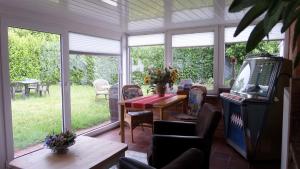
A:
x: 36, y: 99
x: 94, y: 91
x: 94, y: 79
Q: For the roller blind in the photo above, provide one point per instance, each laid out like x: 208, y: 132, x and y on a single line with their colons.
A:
x: 143, y: 40
x: 275, y: 34
x: 91, y: 44
x: 193, y: 40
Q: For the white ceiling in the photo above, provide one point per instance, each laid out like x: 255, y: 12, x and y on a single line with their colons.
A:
x: 135, y: 15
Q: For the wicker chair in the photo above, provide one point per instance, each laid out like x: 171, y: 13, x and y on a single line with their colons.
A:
x: 196, y: 100
x: 135, y: 117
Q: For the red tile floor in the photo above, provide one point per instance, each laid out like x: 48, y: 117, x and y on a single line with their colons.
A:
x: 222, y: 155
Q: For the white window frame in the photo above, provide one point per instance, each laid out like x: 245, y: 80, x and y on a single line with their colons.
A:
x: 6, y: 23
x: 213, y: 29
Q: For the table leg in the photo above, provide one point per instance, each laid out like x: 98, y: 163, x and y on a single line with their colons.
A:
x: 185, y: 105
x: 122, y: 132
x: 160, y: 110
x: 26, y: 90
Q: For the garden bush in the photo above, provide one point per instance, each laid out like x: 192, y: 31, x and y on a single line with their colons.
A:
x: 36, y: 55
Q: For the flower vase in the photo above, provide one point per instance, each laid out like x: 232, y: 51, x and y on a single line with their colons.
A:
x: 161, y: 90
x: 60, y: 150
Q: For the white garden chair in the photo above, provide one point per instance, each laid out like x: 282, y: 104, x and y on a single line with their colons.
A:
x: 101, y: 87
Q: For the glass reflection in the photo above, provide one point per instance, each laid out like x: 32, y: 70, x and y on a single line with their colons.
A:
x: 242, y: 80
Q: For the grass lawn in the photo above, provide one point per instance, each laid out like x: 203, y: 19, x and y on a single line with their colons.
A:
x: 34, y: 117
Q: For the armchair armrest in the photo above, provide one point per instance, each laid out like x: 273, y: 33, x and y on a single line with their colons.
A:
x: 174, y: 128
x: 128, y: 163
x: 166, y: 148
x: 191, y: 159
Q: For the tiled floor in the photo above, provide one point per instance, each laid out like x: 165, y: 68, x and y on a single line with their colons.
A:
x: 222, y: 155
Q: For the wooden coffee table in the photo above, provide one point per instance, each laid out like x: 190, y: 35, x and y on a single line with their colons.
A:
x: 87, y: 152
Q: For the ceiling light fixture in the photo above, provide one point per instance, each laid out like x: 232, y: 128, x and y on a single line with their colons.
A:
x: 110, y: 2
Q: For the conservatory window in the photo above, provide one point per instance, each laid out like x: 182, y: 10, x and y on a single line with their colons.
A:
x: 193, y: 55
x: 145, y: 51
x: 236, y: 47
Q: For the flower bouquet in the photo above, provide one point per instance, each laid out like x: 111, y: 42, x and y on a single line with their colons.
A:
x: 59, y: 143
x: 160, y: 77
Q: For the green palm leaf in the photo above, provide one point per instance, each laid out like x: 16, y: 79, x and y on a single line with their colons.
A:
x: 290, y: 14
x: 273, y: 15
x: 251, y: 15
x: 238, y: 5
x: 257, y: 34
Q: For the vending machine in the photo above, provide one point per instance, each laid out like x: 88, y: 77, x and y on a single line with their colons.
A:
x: 253, y: 108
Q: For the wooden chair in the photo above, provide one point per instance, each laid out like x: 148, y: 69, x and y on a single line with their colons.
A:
x: 197, y: 95
x: 135, y: 117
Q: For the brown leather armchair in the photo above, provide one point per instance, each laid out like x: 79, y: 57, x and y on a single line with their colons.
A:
x: 172, y: 138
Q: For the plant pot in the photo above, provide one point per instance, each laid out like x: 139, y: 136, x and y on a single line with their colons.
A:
x: 60, y: 150
x: 161, y: 90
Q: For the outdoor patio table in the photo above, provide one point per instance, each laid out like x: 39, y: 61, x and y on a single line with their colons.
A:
x: 152, y: 103
x: 27, y: 82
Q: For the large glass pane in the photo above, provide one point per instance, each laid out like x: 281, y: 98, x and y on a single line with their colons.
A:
x: 193, y: 55
x: 195, y: 63
x: 235, y: 49
x: 238, y: 51
x: 34, y: 67
x: 94, y: 91
x: 142, y: 58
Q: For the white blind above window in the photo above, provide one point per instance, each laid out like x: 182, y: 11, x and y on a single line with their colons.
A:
x: 143, y: 40
x: 91, y: 44
x: 275, y: 34
x: 193, y: 40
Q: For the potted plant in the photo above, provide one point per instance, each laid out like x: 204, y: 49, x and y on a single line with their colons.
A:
x: 59, y: 143
x: 158, y: 78
x: 285, y: 11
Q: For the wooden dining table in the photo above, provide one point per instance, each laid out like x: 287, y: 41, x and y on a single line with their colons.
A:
x: 159, y: 106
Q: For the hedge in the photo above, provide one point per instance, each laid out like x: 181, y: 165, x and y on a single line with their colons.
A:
x: 36, y: 55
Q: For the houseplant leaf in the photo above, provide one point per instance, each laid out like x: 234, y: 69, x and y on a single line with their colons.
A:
x: 290, y: 14
x: 273, y: 15
x: 251, y: 15
x: 238, y: 5
x: 257, y: 34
